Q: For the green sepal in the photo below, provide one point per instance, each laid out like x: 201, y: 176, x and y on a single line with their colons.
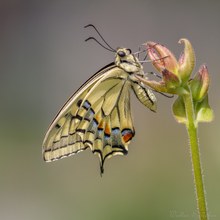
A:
x: 179, y: 111
x: 203, y: 111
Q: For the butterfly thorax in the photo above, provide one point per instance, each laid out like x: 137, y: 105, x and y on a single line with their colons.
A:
x: 125, y: 60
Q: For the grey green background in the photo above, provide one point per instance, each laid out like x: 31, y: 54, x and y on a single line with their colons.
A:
x: 44, y: 59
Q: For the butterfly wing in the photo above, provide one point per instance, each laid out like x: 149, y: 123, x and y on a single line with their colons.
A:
x: 97, y: 116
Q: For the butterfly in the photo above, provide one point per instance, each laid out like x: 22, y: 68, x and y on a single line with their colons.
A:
x: 98, y: 114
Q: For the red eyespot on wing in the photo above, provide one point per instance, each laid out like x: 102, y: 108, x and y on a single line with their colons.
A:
x: 127, y: 135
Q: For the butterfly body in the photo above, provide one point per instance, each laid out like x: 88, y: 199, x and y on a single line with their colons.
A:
x: 98, y: 115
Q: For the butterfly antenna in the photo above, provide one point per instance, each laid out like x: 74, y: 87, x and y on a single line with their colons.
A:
x: 110, y: 48
x: 92, y: 38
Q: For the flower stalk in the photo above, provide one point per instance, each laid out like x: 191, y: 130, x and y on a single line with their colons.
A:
x: 195, y: 157
x: 191, y: 105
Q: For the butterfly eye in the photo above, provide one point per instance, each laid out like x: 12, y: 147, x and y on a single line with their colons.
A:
x: 121, y: 53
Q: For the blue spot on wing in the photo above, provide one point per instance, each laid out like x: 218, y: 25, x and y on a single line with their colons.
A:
x: 115, y: 131
x: 86, y: 105
x: 89, y: 115
x: 99, y: 133
x: 93, y: 125
x: 116, y: 136
x: 107, y: 136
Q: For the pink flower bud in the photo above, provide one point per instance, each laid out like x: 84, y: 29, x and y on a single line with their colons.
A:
x: 200, y: 84
x: 162, y: 57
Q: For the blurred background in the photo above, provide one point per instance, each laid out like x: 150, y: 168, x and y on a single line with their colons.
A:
x: 44, y: 59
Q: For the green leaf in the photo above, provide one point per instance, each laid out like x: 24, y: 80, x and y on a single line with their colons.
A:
x: 179, y: 112
x: 203, y: 111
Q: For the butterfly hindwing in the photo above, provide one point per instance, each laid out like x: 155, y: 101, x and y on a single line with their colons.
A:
x: 98, y: 116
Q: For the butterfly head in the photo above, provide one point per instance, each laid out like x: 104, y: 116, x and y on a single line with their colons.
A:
x: 125, y: 60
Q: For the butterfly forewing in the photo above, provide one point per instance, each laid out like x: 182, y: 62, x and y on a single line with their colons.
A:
x: 53, y: 141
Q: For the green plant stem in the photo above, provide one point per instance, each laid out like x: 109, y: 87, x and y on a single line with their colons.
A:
x: 195, y: 156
